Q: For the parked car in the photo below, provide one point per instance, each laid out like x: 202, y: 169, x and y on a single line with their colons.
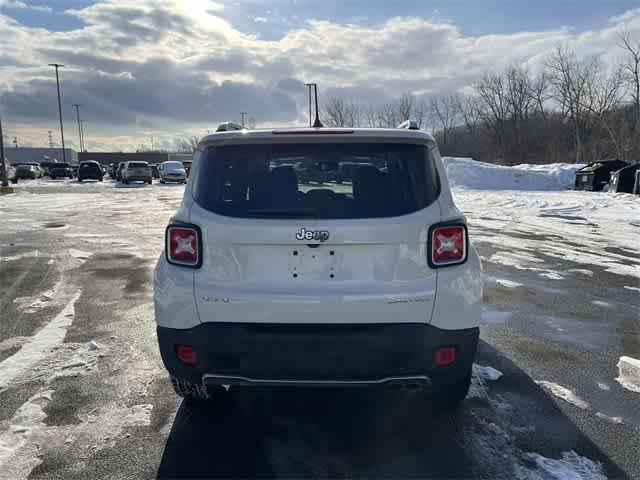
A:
x: 172, y: 171
x: 267, y: 282
x: 11, y: 173
x: 90, y: 170
x: 136, y: 172
x: 119, y: 170
x: 59, y: 170
x: 45, y: 166
x: 187, y: 166
x: 155, y: 173
x: 28, y: 171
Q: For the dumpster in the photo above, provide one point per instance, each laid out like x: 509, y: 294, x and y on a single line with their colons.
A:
x: 636, y: 186
x: 595, y: 175
x: 623, y: 180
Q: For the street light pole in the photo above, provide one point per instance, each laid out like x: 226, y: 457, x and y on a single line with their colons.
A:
x: 77, y: 107
x: 57, y: 66
x: 5, y: 180
x: 82, y: 135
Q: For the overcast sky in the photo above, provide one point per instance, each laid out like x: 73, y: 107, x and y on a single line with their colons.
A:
x: 174, y: 68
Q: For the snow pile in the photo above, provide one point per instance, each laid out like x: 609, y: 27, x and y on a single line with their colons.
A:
x: 563, y: 393
x: 570, y: 467
x: 480, y: 375
x: 629, y: 373
x: 469, y: 173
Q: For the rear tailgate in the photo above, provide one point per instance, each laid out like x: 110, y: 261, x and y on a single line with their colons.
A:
x: 359, y: 275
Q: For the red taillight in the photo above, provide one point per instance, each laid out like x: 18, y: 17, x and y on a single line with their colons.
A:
x: 183, y: 246
x: 448, y: 245
x: 444, y: 356
x: 187, y: 354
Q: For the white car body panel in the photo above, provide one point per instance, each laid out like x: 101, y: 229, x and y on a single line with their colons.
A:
x: 381, y: 273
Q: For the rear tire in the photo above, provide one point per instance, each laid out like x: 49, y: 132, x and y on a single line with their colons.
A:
x: 448, y: 396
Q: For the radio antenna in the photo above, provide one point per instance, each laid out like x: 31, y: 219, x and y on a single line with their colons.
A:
x: 317, y: 123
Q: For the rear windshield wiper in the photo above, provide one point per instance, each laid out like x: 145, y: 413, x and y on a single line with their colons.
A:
x: 284, y: 212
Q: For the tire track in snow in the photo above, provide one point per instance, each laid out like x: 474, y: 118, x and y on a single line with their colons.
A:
x: 40, y: 345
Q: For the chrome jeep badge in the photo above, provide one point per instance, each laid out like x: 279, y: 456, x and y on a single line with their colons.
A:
x: 318, y: 235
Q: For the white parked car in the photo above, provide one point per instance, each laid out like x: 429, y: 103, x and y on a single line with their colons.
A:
x: 267, y: 280
x: 136, y: 172
x: 172, y: 171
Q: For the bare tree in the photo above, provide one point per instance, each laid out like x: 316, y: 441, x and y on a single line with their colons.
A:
x: 493, y: 109
x: 631, y: 67
x: 342, y: 113
x: 470, y: 112
x: 445, y: 111
x: 603, y: 96
x: 421, y: 113
x: 570, y: 80
x: 404, y: 107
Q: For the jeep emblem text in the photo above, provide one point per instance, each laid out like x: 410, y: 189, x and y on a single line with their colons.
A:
x: 319, y: 235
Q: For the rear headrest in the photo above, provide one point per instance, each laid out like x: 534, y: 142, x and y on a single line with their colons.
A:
x: 284, y: 178
x: 369, y: 183
x: 278, y: 186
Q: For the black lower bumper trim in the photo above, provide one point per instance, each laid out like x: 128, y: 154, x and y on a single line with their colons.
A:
x: 232, y: 353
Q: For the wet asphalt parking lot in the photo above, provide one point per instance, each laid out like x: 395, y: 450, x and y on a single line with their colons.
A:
x: 91, y: 400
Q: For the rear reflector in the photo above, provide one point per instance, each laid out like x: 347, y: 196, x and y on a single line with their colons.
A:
x: 183, y: 245
x: 448, y: 245
x: 444, y: 356
x: 187, y: 354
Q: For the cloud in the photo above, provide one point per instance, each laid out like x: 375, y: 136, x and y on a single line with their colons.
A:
x: 174, y: 68
x: 18, y: 5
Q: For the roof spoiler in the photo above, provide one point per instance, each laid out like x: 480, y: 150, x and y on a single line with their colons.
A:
x: 409, y: 125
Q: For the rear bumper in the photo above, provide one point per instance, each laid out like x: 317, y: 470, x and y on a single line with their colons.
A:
x: 319, y: 355
x: 138, y: 179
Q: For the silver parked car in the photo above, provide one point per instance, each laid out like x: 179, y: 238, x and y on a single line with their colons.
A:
x: 172, y: 171
x: 136, y: 172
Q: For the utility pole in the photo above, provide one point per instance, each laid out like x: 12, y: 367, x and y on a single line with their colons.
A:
x: 152, y: 144
x: 57, y: 66
x: 84, y: 148
x: 5, y: 180
x: 77, y: 107
x: 50, y: 139
x: 309, y: 85
x: 242, y: 114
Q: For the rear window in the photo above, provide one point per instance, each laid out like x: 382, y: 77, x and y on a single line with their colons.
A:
x: 173, y: 166
x: 138, y: 164
x: 324, y: 181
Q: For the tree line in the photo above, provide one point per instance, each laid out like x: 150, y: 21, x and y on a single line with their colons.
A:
x: 572, y: 110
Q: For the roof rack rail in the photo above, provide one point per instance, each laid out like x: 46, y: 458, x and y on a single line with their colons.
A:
x: 228, y: 126
x: 409, y: 125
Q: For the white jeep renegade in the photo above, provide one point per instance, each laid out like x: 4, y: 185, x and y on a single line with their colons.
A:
x: 317, y: 256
